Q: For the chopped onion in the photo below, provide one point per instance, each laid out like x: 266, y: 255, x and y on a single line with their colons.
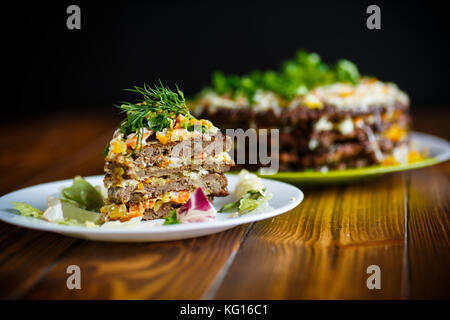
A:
x: 197, y: 209
x: 54, y: 212
x: 247, y: 181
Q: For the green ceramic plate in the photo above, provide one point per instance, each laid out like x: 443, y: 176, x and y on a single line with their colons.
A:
x: 438, y: 151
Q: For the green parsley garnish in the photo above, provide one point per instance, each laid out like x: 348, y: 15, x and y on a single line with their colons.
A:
x: 295, y: 77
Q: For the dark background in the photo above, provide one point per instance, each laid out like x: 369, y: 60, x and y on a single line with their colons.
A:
x: 123, y: 44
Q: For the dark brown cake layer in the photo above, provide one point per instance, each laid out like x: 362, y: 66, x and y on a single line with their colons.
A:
x: 212, y: 184
x: 156, y: 154
x: 164, y: 210
x: 140, y: 174
x: 302, y: 146
x: 243, y: 117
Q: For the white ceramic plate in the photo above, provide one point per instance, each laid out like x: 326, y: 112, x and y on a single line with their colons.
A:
x: 285, y: 197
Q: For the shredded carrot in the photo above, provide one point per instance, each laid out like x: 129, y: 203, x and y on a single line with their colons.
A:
x: 395, y: 133
x: 135, y: 210
x: 132, y: 141
x: 389, y: 161
x: 346, y: 93
x: 165, y: 163
x: 414, y: 156
x: 181, y: 197
x: 357, y: 119
x: 178, y: 121
x: 149, y: 203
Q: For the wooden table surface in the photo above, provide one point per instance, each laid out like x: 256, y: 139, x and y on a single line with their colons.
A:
x: 320, y: 250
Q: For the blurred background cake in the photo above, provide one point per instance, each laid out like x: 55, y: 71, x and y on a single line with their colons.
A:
x: 329, y: 116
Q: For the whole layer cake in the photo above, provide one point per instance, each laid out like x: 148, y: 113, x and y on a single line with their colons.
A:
x: 337, y: 121
x: 152, y: 168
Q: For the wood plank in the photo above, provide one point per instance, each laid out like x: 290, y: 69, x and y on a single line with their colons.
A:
x: 51, y: 148
x: 432, y: 120
x: 321, y: 249
x: 167, y: 270
x: 42, y: 147
x: 182, y: 269
x: 25, y: 255
x: 429, y: 232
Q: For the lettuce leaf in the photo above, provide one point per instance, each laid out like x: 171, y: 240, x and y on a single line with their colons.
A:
x: 79, y: 204
x: 251, y: 200
x: 26, y: 210
x: 248, y: 204
x: 229, y: 206
x: 74, y: 213
x: 83, y: 194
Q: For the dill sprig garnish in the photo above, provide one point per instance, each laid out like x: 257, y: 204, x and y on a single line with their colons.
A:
x: 156, y: 111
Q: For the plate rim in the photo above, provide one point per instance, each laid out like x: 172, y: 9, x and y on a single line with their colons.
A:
x: 371, y: 170
x: 31, y: 223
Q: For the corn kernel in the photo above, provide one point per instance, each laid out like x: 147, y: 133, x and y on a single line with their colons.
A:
x: 118, y: 147
x: 115, y: 211
x: 162, y: 138
x: 313, y: 102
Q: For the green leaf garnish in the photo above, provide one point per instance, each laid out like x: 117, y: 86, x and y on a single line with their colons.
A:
x: 250, y: 204
x: 106, y: 150
x: 72, y: 212
x: 347, y: 71
x: 229, y: 206
x: 26, y: 210
x: 251, y: 200
x: 198, y: 128
x: 83, y: 194
x: 172, y: 218
x: 295, y: 77
x: 156, y: 110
